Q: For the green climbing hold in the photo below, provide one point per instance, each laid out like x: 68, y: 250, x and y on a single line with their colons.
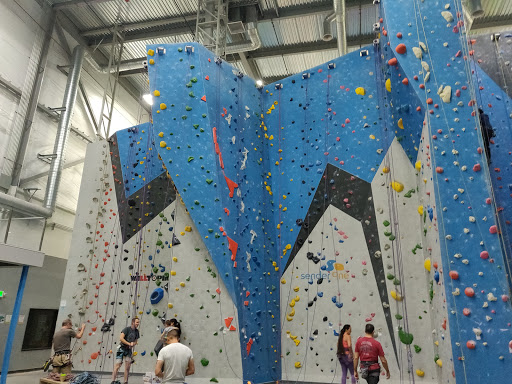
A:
x: 204, y: 362
x: 392, y: 237
x: 190, y: 158
x: 436, y: 357
x: 209, y: 181
x: 405, y: 337
x: 390, y: 276
x: 398, y: 317
x: 184, y: 117
x: 386, y: 223
x: 197, y: 250
x: 194, y: 79
x: 431, y: 291
x: 192, y: 295
x: 155, y: 312
x: 188, y: 85
x: 187, y: 108
x: 387, y: 233
x: 180, y: 49
x: 196, y: 126
x: 191, y: 94
x: 408, y: 193
x: 203, y: 115
x: 417, y: 348
x: 155, y: 269
x: 158, y: 282
x: 396, y: 281
x: 192, y: 67
x: 159, y: 242
x: 214, y: 380
x: 201, y: 130
x: 188, y: 278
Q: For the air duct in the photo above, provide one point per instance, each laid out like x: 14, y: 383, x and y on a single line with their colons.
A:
x: 327, y: 30
x: 127, y: 65
x: 341, y: 30
x: 474, y: 8
x: 59, y: 150
x: 251, y: 45
x: 23, y: 206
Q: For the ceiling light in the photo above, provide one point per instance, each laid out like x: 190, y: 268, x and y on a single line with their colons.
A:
x: 259, y: 83
x: 148, y: 98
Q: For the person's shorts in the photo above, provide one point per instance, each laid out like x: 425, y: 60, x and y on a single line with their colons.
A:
x: 61, y: 360
x: 123, y: 355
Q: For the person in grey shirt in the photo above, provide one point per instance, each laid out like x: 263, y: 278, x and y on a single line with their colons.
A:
x: 175, y: 360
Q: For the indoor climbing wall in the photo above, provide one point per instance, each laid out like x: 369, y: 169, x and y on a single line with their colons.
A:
x: 426, y: 40
x: 162, y: 271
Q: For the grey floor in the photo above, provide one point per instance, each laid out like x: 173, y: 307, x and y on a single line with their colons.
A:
x: 33, y: 378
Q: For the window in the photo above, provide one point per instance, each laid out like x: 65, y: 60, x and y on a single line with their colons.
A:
x: 40, y: 329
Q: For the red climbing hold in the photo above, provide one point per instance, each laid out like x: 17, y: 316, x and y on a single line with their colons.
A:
x: 232, y: 328
x: 207, y: 78
x: 470, y: 292
x: 401, y: 49
x: 231, y: 185
x: 466, y: 312
x: 226, y: 211
x: 484, y: 255
x: 392, y: 62
x: 493, y: 229
x: 228, y: 321
x: 218, y: 291
x: 454, y: 275
x: 405, y: 81
x: 439, y: 170
x: 94, y: 355
x: 203, y: 98
x: 249, y: 345
x: 399, y: 35
x: 471, y: 344
x: 477, y: 167
x: 233, y: 247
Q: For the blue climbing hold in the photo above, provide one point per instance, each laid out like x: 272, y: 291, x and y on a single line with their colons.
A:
x: 157, y: 295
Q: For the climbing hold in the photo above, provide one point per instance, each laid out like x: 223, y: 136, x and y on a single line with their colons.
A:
x: 395, y: 295
x: 388, y: 84
x: 406, y: 338
x: 204, y: 362
x: 454, y: 275
x: 298, y: 364
x: 360, y: 91
x: 163, y: 144
x: 470, y: 292
x: 439, y: 170
x: 439, y: 362
x: 417, y: 166
x: 405, y: 81
x: 420, y: 210
x: 426, y: 264
x: 163, y: 106
x: 400, y: 123
x: 156, y: 93
x: 447, y: 16
x: 397, y: 186
x: 392, y: 62
x: 420, y: 373
x: 401, y: 49
x: 157, y: 295
x: 151, y: 52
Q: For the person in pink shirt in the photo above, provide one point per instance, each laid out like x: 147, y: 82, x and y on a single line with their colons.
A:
x: 369, y: 351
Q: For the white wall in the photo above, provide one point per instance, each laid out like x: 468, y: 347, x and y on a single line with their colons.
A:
x: 20, y: 22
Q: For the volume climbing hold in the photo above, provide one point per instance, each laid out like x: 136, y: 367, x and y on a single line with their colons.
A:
x: 157, y: 295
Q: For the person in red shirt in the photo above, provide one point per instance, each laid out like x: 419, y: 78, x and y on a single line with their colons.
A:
x: 370, y: 350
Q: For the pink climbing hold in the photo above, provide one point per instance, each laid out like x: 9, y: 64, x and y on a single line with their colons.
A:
x: 471, y: 344
x: 479, y: 150
x: 504, y: 298
x: 392, y: 62
x: 488, y: 200
x: 470, y: 292
x: 466, y: 311
x: 401, y: 49
x: 484, y: 255
x: 493, y: 229
x: 477, y: 168
x: 439, y: 170
x: 399, y: 35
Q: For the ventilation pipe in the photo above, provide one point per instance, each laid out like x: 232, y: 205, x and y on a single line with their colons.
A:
x: 59, y: 150
x: 341, y: 30
x: 251, y: 17
x: 127, y: 65
x: 474, y: 8
x: 327, y: 29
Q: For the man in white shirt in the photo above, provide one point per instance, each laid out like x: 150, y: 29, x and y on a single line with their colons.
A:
x: 175, y: 360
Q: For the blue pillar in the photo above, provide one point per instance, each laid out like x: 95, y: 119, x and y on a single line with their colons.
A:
x: 14, y: 322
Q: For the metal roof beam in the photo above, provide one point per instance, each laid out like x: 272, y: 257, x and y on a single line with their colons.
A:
x: 140, y: 36
x: 72, y: 3
x: 352, y: 41
x: 294, y: 11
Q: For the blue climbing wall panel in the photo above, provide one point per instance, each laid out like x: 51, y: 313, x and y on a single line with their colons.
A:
x: 207, y: 129
x: 498, y: 106
x: 468, y: 228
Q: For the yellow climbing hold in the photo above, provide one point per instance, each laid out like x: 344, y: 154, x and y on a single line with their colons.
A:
x: 439, y: 362
x: 163, y: 106
x: 388, y: 85
x: 182, y: 284
x: 289, y: 318
x: 173, y: 273
x: 427, y: 264
x: 175, y: 259
x: 151, y: 61
x: 292, y: 303
x: 292, y: 313
x: 297, y: 341
x: 418, y: 165
x: 170, y: 305
x: 161, y: 134
x: 163, y: 144
x: 420, y: 210
x: 397, y: 186
x: 298, y: 364
x: 156, y: 92
x: 151, y: 52
x: 297, y: 298
x: 385, y: 169
x: 395, y: 295
x: 360, y: 91
x: 400, y: 124
x: 420, y: 373
x: 296, y: 289
x: 283, y: 281
x: 188, y: 228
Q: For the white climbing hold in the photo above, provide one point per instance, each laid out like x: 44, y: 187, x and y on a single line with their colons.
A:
x: 425, y: 66
x: 491, y: 297
x: 447, y: 16
x: 423, y: 46
x: 445, y: 93
x: 417, y: 52
x: 244, y: 152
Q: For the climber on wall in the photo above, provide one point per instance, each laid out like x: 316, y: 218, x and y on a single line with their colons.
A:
x: 61, y: 360
x: 370, y: 350
x: 128, y: 338
x: 345, y: 353
x: 487, y: 131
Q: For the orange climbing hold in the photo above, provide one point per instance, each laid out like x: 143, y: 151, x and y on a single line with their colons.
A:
x: 203, y: 98
x: 249, y: 345
x: 226, y: 211
x: 401, y: 49
x: 392, y: 62
x: 232, y: 328
x: 228, y: 321
x: 233, y: 247
x: 94, y: 355
x: 231, y: 185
